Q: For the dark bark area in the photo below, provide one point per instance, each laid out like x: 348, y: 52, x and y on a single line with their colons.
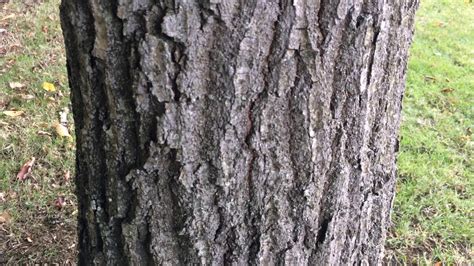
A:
x: 226, y: 131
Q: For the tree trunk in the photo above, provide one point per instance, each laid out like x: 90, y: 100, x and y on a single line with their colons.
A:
x: 227, y: 131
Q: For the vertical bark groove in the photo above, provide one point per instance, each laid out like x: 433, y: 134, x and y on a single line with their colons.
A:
x: 246, y: 132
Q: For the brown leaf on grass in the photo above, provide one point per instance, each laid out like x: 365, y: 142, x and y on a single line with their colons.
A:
x: 5, y: 218
x: 9, y: 64
x: 62, y: 131
x: 27, y: 97
x: 16, y: 85
x: 441, y: 24
x: 465, y: 139
x: 25, y: 170
x: 67, y: 175
x: 13, y: 113
x: 15, y: 47
x: 12, y: 194
x: 430, y: 78
x: 59, y: 203
x: 12, y: 15
x: 447, y: 90
x: 4, y: 101
x: 44, y: 133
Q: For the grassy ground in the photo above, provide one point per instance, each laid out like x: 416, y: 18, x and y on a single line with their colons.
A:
x: 32, y: 227
x: 433, y: 212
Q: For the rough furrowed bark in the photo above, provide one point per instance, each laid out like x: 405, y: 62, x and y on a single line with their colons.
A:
x: 225, y: 131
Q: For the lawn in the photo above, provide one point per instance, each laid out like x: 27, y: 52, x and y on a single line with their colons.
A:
x: 433, y: 216
x: 37, y: 215
x: 433, y: 210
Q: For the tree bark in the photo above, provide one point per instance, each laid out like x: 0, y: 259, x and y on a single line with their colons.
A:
x: 227, y: 131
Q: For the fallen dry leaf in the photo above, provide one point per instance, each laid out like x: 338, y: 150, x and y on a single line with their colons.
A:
x: 5, y: 218
x: 12, y: 15
x: 447, y: 90
x: 48, y: 86
x: 16, y: 85
x: 59, y: 203
x: 43, y: 133
x: 67, y: 175
x: 13, y: 113
x: 25, y: 170
x: 27, y: 97
x: 465, y: 139
x: 12, y: 194
x: 430, y: 78
x: 61, y: 130
x: 4, y: 101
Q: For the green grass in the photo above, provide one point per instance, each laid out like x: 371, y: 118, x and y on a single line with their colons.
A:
x: 31, y: 52
x: 433, y: 210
